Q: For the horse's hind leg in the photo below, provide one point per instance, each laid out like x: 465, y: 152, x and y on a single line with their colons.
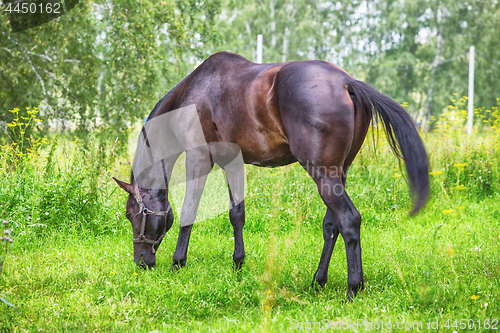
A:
x: 322, y: 130
x: 330, y: 234
x: 348, y: 222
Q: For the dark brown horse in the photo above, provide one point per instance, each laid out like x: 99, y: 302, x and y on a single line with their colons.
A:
x: 311, y: 112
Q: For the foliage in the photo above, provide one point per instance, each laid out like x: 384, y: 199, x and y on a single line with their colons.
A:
x: 471, y: 165
x: 413, y: 51
x: 5, y: 241
x: 105, y: 63
x: 22, y: 143
x: 62, y: 188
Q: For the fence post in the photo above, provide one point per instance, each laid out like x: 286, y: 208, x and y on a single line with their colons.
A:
x: 471, y: 91
x: 259, y: 49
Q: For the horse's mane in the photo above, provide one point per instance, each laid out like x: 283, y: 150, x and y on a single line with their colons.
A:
x: 160, y: 103
x: 157, y: 107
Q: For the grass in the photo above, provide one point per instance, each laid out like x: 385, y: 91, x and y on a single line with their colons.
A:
x: 423, y: 269
x: 76, y: 272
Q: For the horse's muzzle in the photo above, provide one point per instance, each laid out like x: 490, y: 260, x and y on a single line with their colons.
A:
x: 145, y: 261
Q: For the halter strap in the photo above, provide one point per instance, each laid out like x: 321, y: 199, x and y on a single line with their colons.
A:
x: 145, y: 211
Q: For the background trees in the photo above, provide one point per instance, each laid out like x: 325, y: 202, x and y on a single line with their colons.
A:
x: 107, y: 62
x: 104, y: 62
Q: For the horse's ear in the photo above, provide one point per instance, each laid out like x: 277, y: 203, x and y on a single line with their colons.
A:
x: 126, y: 186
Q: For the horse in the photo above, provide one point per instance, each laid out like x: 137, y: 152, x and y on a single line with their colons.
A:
x: 311, y: 112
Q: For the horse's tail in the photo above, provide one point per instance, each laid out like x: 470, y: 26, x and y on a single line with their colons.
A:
x: 402, y: 135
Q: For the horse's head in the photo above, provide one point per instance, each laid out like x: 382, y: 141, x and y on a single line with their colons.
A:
x: 151, y: 217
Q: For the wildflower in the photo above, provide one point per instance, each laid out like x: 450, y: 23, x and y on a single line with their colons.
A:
x: 460, y: 207
x: 449, y: 251
x: 4, y: 221
x: 474, y: 297
x: 112, y: 273
x: 1, y: 238
x: 134, y: 273
x: 448, y: 211
x: 460, y: 165
x: 46, y: 213
x: 7, y: 232
x: 433, y: 173
x: 8, y: 239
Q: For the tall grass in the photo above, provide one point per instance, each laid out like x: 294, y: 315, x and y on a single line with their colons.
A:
x: 70, y: 265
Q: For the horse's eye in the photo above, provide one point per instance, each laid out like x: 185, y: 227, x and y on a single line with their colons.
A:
x: 127, y: 215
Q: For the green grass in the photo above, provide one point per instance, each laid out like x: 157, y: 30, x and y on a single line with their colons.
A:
x: 77, y: 273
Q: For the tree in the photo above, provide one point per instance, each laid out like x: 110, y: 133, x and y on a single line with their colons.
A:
x: 104, y: 62
x: 414, y: 51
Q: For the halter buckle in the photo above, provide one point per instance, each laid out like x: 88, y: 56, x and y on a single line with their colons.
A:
x: 146, y: 211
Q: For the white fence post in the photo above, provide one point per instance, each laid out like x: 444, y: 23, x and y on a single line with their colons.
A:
x: 471, y: 91
x: 259, y: 49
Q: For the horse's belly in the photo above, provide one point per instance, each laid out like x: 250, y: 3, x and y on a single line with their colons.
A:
x: 267, y: 154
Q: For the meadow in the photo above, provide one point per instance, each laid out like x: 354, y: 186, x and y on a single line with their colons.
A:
x: 70, y: 268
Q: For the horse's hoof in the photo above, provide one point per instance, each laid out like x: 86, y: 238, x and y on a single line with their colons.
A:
x: 176, y: 267
x: 353, y: 291
x: 237, y: 266
x: 317, y: 286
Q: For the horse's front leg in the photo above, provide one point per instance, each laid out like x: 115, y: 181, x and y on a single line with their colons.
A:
x: 198, y: 166
x: 237, y: 219
x: 235, y: 176
x: 180, y: 254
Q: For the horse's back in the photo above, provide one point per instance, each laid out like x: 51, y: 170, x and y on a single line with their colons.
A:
x: 262, y: 107
x: 230, y: 93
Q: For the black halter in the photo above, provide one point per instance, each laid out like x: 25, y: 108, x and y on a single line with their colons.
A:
x: 145, y: 211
